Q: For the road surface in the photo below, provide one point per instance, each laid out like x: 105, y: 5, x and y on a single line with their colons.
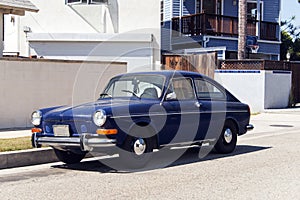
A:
x: 265, y: 165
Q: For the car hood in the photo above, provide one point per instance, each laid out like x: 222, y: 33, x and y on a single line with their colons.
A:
x: 86, y: 111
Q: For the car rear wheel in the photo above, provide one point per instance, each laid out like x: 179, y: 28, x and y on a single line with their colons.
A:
x: 69, y: 157
x: 136, y: 151
x: 228, y: 138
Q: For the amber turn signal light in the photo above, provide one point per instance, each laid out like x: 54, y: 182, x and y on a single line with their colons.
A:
x: 107, y: 131
x: 36, y: 130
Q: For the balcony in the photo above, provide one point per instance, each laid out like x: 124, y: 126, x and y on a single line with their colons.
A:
x: 220, y: 25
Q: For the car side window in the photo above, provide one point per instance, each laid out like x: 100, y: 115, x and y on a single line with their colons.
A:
x: 206, y: 90
x: 182, y: 88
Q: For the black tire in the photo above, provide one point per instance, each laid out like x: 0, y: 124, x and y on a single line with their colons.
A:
x: 69, y: 157
x: 128, y: 156
x: 33, y: 143
x: 225, y: 144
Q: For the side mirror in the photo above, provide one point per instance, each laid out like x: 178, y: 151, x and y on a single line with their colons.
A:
x: 171, y: 96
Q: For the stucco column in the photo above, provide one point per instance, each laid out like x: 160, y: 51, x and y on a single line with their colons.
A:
x: 1, y: 34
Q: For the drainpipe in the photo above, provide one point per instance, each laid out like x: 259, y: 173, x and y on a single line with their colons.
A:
x: 258, y: 19
x: 27, y: 30
x: 180, y: 15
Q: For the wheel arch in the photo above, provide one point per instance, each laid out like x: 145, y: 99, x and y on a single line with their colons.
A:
x: 148, y: 126
x: 235, y: 123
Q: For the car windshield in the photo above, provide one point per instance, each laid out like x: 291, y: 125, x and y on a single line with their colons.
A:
x: 143, y: 86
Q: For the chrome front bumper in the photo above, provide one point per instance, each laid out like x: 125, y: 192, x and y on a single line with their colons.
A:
x: 86, y: 141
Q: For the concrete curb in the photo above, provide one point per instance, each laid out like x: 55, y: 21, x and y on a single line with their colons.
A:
x: 27, y: 157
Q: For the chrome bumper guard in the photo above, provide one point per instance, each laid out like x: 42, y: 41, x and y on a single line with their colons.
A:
x: 249, y: 127
x: 86, y: 141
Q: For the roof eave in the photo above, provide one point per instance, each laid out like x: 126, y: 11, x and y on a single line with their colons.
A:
x: 16, y: 10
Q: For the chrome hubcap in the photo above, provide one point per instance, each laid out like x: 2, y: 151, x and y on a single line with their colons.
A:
x: 139, y: 146
x: 228, y: 135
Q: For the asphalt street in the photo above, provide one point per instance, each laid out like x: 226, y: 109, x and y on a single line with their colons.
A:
x: 265, y: 165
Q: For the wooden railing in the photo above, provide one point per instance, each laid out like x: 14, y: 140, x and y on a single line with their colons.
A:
x: 220, y: 25
x: 252, y: 64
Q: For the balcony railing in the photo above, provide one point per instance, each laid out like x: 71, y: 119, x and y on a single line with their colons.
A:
x: 220, y: 25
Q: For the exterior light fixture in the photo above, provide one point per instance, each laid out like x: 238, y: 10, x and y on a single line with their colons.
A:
x: 288, y: 55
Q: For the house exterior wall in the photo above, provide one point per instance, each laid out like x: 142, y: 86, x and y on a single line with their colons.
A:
x: 229, y: 9
x: 271, y: 10
x: 44, y: 83
x: 135, y: 49
x: 115, y: 17
x: 189, y: 7
x: 231, y: 44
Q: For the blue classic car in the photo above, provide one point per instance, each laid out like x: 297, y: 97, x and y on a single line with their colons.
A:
x: 143, y: 111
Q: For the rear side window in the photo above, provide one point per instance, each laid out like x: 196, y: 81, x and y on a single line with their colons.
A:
x: 206, y: 90
x: 183, y: 88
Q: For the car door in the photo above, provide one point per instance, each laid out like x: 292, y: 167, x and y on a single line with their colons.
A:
x: 183, y: 112
x: 212, y: 99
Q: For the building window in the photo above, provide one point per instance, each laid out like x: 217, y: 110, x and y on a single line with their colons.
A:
x: 252, y: 10
x: 73, y: 1
x: 209, y: 6
x: 98, y: 1
x: 86, y: 1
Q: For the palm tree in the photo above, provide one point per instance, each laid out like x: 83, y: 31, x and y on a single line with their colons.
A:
x: 242, y: 29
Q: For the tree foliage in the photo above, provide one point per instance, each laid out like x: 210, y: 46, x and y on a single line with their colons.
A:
x: 290, y: 38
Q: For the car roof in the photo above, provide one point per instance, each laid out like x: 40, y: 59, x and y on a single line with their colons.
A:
x: 167, y: 73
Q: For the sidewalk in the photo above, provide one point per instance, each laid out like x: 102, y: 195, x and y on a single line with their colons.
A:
x: 6, y: 134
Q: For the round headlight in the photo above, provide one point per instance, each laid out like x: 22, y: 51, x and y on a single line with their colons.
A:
x: 36, y: 118
x: 99, y: 117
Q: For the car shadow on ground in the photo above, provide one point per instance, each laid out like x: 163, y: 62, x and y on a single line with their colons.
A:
x: 166, y: 158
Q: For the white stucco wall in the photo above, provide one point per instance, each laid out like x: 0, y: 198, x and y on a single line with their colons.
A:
x: 258, y: 88
x: 277, y: 89
x: 1, y: 34
x: 246, y: 85
x: 28, y: 85
x: 118, y: 16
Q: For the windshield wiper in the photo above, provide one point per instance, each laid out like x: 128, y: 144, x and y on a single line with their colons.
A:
x: 134, y: 94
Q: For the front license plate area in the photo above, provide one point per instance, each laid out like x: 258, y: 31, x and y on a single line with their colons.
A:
x: 61, y: 130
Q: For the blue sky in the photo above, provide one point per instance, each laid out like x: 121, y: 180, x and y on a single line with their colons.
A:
x: 290, y: 8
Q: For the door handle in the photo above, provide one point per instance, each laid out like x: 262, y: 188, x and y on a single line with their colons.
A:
x: 197, y: 104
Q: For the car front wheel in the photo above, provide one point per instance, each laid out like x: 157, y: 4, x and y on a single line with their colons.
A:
x: 69, y: 157
x: 136, y: 152
x: 228, y: 138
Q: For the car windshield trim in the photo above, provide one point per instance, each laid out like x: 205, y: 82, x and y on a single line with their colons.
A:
x: 130, y: 77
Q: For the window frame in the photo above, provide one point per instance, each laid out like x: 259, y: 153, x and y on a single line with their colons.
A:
x: 222, y: 91
x: 261, y: 10
x: 192, y: 85
x: 71, y: 3
x: 86, y: 2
